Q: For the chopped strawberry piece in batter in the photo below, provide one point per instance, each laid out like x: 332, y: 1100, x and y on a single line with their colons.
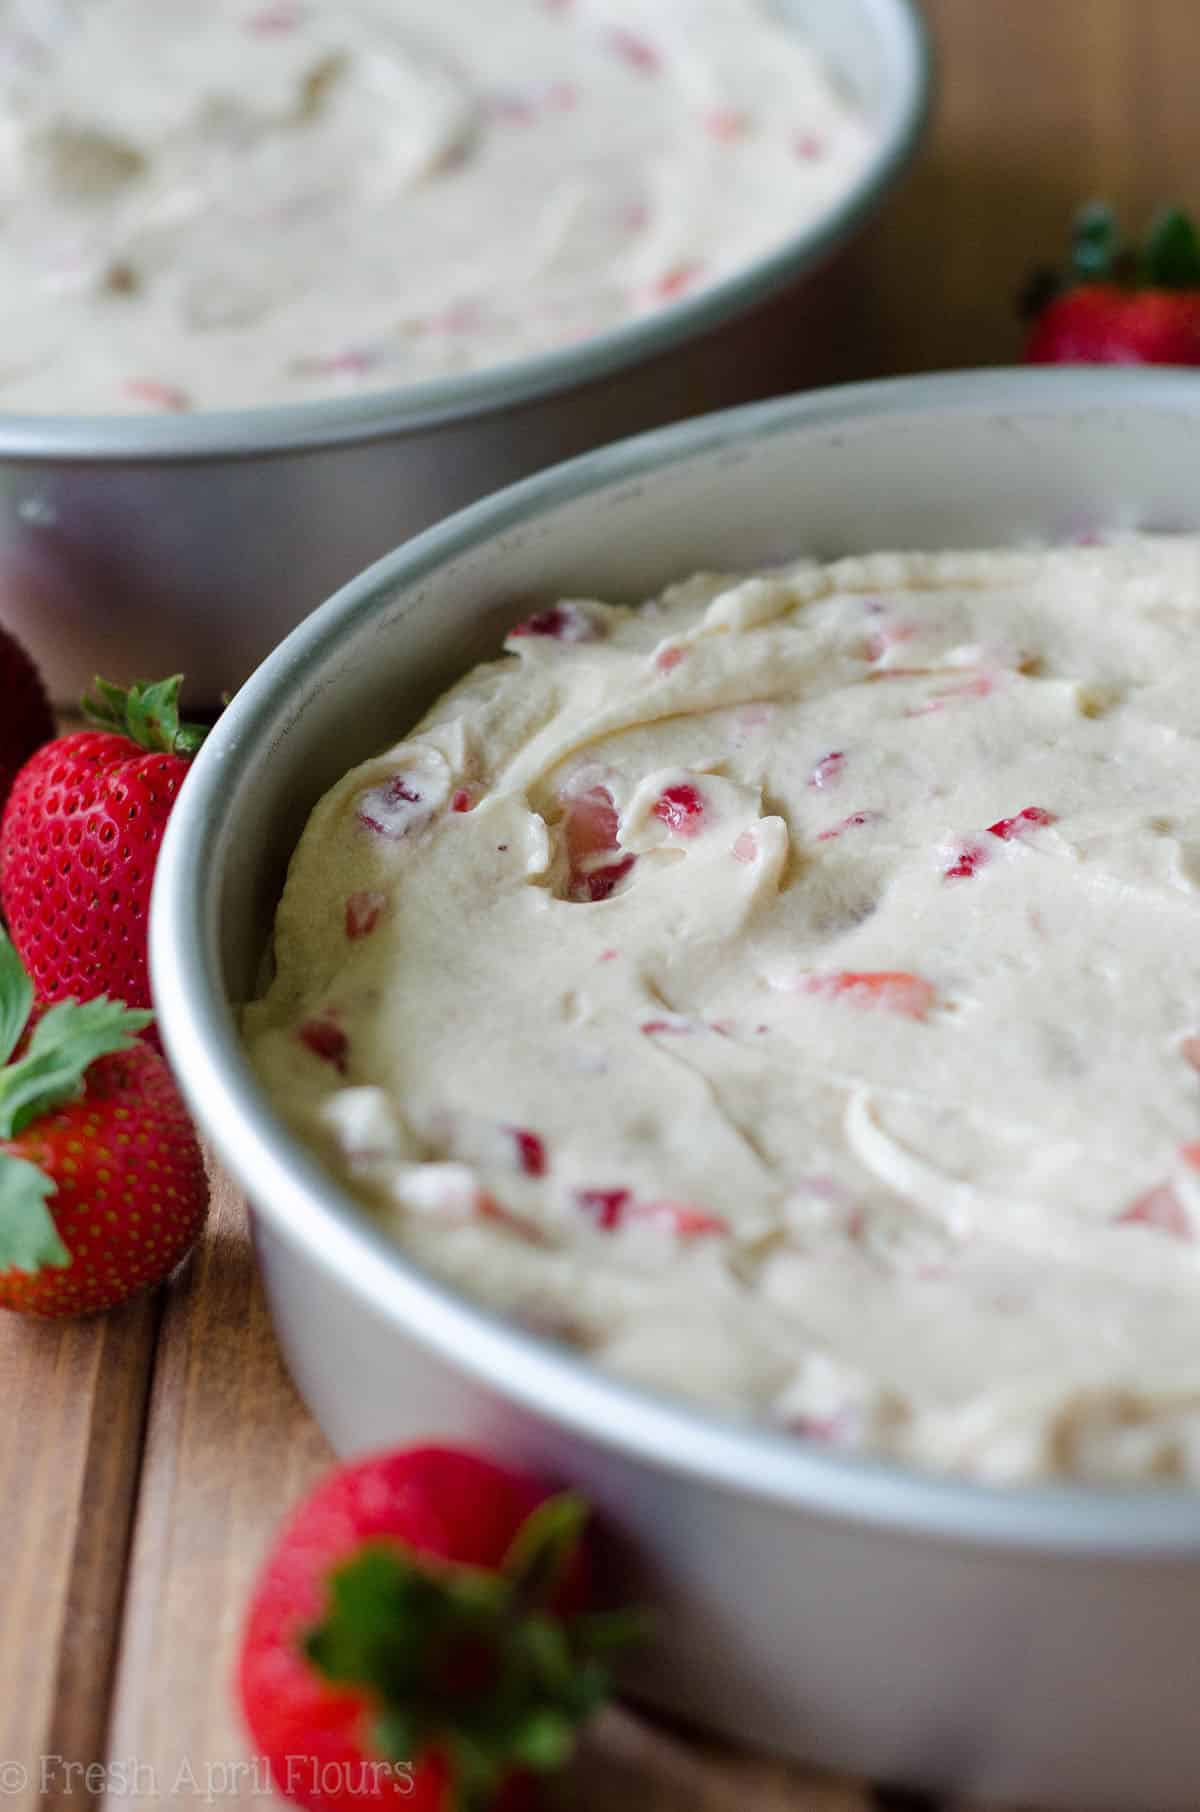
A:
x: 973, y: 855
x: 591, y: 825
x: 326, y: 1040
x: 394, y: 808
x: 605, y: 1206
x: 828, y: 769
x: 531, y: 1152
x: 560, y: 623
x: 893, y: 989
x: 635, y: 50
x: 684, y: 1219
x: 489, y: 1209
x: 726, y: 124
x: 611, y: 1209
x: 1161, y: 1209
x: 602, y: 883
x: 981, y: 686
x: 853, y: 822
x: 969, y: 860
x: 675, y: 282
x: 681, y: 809
x: 1008, y: 828
x: 168, y: 397
x: 363, y: 913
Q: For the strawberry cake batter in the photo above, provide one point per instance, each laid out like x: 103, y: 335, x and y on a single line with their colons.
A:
x: 788, y: 994
x: 216, y: 203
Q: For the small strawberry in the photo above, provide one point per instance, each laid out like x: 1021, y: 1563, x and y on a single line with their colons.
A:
x: 1120, y: 304
x: 417, y: 1638
x: 26, y: 720
x: 79, y: 840
x: 102, y: 1186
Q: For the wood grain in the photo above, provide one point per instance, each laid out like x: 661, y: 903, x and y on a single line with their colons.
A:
x: 74, y: 1401
x: 228, y: 1450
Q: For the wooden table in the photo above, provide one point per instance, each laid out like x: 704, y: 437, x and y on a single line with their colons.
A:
x: 145, y: 1456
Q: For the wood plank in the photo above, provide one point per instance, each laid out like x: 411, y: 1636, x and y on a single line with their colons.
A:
x: 229, y: 1449
x: 74, y: 1397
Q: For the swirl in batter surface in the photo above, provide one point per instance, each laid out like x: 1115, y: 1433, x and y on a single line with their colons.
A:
x: 788, y: 992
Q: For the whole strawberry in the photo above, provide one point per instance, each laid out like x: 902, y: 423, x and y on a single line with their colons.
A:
x: 79, y: 840
x: 102, y: 1186
x: 417, y: 1638
x: 1120, y: 304
x: 26, y: 720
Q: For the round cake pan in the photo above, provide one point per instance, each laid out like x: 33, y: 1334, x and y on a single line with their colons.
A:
x: 1025, y: 1645
x: 140, y: 545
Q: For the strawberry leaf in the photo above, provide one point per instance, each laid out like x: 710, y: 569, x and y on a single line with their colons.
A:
x: 473, y: 1664
x: 1171, y: 255
x: 65, y: 1041
x: 1095, y: 243
x: 16, y: 998
x: 148, y: 713
x: 28, y: 1237
x: 543, y: 1546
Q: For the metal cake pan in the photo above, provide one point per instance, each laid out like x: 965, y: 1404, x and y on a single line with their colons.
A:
x: 1023, y: 1645
x: 132, y: 545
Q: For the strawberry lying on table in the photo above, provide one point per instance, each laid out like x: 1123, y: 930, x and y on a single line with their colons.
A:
x: 79, y: 840
x: 1119, y: 303
x: 102, y: 1186
x: 418, y: 1638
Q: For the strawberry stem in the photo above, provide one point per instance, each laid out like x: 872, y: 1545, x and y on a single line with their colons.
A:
x: 148, y: 713
x: 473, y: 1665
x: 1168, y: 258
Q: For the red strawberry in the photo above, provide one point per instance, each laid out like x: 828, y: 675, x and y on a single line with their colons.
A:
x: 416, y: 1639
x: 102, y: 1186
x: 1120, y: 304
x: 79, y: 840
x: 26, y: 721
